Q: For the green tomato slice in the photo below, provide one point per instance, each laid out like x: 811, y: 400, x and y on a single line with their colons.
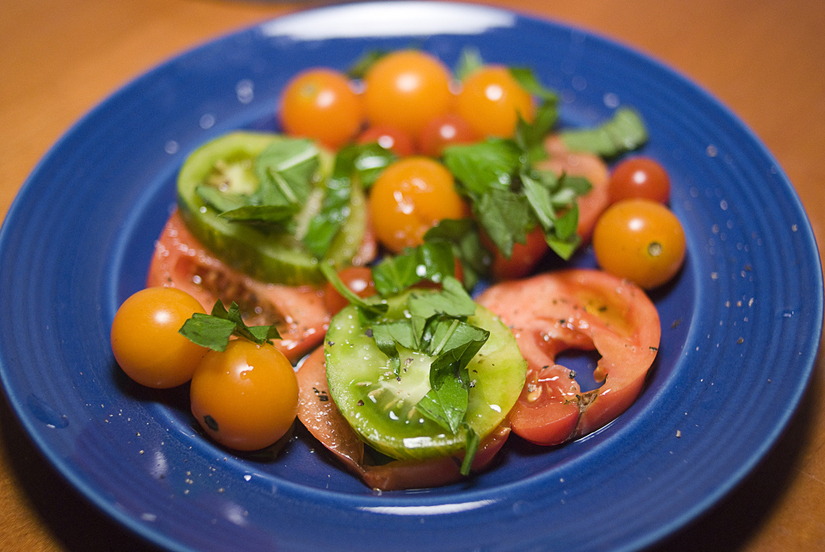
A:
x: 380, y: 407
x: 267, y: 255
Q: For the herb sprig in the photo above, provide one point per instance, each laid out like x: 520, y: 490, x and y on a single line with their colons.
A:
x: 214, y: 330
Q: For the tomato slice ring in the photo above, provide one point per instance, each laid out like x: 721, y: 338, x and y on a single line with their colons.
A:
x: 584, y: 310
x: 321, y: 417
x: 181, y: 261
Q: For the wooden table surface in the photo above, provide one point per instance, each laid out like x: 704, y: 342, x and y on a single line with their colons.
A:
x: 763, y: 59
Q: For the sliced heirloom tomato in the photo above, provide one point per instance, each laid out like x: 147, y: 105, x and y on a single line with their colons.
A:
x: 320, y: 415
x: 562, y: 160
x: 584, y: 310
x: 382, y: 406
x: 226, y: 164
x: 299, y: 313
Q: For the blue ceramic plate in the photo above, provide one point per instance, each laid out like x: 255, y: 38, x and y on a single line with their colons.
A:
x: 78, y: 239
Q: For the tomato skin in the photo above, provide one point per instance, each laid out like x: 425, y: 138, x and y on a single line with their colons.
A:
x: 405, y: 89
x: 356, y: 278
x: 640, y: 240
x: 319, y: 103
x: 410, y: 197
x: 389, y: 138
x: 639, y: 178
x: 180, y: 261
x: 145, y: 338
x: 246, y: 397
x: 524, y: 258
x: 443, y: 131
x: 583, y: 310
x: 491, y: 100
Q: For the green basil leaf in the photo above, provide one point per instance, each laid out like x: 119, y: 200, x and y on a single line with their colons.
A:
x: 504, y: 216
x: 470, y: 450
x: 625, y: 131
x: 332, y: 277
x: 286, y: 170
x: 363, y: 63
x: 430, y: 261
x: 465, y: 239
x: 268, y: 214
x: 485, y: 165
x: 468, y: 62
x: 215, y: 329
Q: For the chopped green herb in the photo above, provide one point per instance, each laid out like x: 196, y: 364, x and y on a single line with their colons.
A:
x: 214, y: 330
x: 625, y: 131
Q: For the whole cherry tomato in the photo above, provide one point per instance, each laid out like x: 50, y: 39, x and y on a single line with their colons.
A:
x: 145, y: 338
x: 491, y: 101
x: 391, y: 138
x: 320, y: 104
x: 409, y: 198
x: 640, y: 240
x: 639, y: 177
x: 445, y: 130
x: 405, y: 89
x: 246, y: 397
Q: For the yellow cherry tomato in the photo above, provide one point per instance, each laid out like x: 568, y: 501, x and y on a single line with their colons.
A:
x: 406, y: 89
x: 491, y: 100
x: 246, y: 397
x: 320, y: 104
x: 145, y: 338
x: 640, y: 240
x: 409, y: 198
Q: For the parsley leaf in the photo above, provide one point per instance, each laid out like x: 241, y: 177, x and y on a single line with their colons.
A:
x: 214, y: 330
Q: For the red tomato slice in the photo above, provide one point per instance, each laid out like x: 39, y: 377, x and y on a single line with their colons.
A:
x: 588, y: 165
x: 321, y: 416
x: 584, y: 310
x: 299, y: 313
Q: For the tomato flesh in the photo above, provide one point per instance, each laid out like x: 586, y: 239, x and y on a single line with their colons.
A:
x: 299, y: 313
x: 584, y: 310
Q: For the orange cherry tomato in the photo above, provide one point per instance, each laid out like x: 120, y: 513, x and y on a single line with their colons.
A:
x: 320, y: 104
x: 491, y: 101
x: 389, y: 138
x: 409, y: 198
x: 443, y: 131
x: 639, y: 177
x: 356, y: 278
x: 405, y: 89
x: 246, y: 397
x: 145, y: 338
x: 640, y: 240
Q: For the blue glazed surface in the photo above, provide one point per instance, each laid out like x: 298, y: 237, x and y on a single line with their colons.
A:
x: 740, y: 325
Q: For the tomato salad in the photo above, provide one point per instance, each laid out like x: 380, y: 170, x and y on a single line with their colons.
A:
x: 328, y: 273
